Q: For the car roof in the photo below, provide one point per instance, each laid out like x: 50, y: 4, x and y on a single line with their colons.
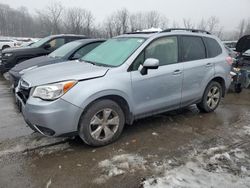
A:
x: 170, y: 31
x: 69, y: 35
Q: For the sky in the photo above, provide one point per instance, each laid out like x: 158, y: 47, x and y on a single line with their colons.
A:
x: 229, y: 12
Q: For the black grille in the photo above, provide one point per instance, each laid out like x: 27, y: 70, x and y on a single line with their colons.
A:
x: 4, y: 60
x: 23, y: 93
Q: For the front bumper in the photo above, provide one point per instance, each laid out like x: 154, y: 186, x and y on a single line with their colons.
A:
x: 7, y: 63
x: 51, y: 118
x: 14, y: 78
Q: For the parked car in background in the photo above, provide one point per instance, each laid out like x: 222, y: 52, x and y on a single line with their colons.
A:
x: 230, y: 44
x: 25, y: 44
x: 70, y: 51
x: 243, y: 45
x: 11, y: 57
x: 124, y: 79
x: 7, y: 43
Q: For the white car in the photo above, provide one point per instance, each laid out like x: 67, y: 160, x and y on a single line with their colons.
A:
x: 7, y: 43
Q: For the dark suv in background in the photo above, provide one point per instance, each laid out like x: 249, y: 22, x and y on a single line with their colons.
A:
x: 11, y: 57
x: 68, y: 52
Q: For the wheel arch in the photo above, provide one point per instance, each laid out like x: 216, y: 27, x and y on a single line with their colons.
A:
x: 120, y: 100
x: 222, y: 82
x: 5, y: 46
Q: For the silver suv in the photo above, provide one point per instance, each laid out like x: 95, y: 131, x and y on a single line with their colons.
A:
x: 124, y: 79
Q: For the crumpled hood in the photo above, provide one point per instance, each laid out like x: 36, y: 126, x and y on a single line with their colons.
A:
x: 35, y: 62
x: 70, y: 70
x: 243, y: 44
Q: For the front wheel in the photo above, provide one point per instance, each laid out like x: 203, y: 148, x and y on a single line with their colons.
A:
x: 102, y: 123
x: 211, y: 97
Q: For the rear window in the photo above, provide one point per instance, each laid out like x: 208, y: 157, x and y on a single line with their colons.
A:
x: 213, y: 48
x: 192, y: 48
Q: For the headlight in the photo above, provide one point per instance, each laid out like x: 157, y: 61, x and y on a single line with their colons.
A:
x: 53, y: 91
x: 8, y: 54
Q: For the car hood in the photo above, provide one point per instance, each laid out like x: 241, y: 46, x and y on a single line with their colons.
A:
x: 35, y: 62
x: 243, y: 44
x: 18, y: 50
x: 70, y: 70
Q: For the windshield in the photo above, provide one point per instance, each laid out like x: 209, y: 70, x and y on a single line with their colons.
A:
x: 41, y: 42
x: 64, y: 50
x: 114, y: 52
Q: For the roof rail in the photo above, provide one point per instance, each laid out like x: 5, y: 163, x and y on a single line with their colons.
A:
x: 184, y: 29
x: 142, y: 32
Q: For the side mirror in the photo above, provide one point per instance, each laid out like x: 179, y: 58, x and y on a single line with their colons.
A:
x: 47, y: 46
x: 149, y: 63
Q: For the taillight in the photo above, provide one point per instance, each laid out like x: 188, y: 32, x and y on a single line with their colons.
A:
x: 229, y: 60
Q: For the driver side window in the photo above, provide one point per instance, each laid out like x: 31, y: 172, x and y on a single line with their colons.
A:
x: 56, y: 43
x: 164, y: 49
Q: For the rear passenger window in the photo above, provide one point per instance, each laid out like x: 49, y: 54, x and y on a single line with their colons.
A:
x: 213, y: 48
x: 192, y: 48
x: 164, y: 49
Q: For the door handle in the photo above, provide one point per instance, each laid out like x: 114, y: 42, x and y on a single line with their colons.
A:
x: 209, y: 65
x: 176, y: 72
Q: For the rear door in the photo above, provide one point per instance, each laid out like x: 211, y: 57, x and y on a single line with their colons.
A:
x: 160, y: 89
x: 197, y: 69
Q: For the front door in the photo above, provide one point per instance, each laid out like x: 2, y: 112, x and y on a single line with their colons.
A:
x: 160, y: 89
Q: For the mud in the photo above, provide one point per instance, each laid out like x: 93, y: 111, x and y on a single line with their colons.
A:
x: 173, y: 149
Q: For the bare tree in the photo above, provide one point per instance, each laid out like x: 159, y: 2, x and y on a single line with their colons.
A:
x: 51, y: 18
x: 137, y: 21
x: 212, y: 24
x: 202, y: 24
x: 175, y: 24
x: 247, y: 29
x: 242, y: 26
x: 123, y: 19
x: 78, y: 21
x: 188, y: 23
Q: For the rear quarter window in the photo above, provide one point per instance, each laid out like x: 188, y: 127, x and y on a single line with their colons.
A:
x: 213, y: 48
x: 192, y: 48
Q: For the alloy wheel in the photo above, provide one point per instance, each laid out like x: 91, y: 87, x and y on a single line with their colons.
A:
x: 213, y: 97
x: 104, y: 124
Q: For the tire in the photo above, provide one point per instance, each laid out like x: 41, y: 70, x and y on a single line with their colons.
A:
x: 102, y: 123
x: 211, y: 97
x: 4, y: 47
x: 237, y: 88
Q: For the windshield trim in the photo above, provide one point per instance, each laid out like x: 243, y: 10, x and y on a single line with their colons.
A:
x: 132, y: 52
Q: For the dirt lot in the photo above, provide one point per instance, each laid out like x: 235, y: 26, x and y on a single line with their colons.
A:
x: 184, y: 148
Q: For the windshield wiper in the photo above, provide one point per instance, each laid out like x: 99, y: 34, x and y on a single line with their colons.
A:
x: 90, y: 62
x: 97, y: 64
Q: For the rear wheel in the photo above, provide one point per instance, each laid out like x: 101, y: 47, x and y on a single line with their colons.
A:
x: 102, y: 123
x: 4, y: 47
x: 211, y: 98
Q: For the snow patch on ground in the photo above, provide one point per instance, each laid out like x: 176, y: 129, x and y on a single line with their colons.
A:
x: 193, y: 175
x: 118, y: 165
x: 215, y: 167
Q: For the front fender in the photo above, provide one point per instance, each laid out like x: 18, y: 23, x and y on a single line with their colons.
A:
x: 85, y: 92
